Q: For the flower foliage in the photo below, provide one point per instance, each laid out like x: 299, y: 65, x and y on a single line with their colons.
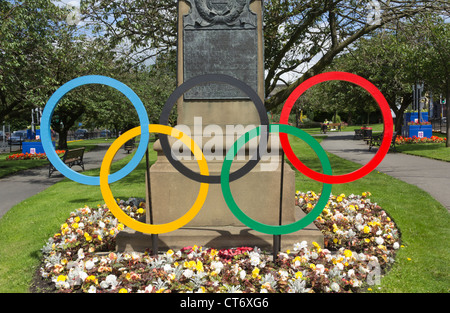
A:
x: 360, y: 240
x: 31, y: 156
x: 406, y: 140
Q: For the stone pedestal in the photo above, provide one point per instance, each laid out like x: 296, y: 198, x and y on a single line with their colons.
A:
x: 257, y: 193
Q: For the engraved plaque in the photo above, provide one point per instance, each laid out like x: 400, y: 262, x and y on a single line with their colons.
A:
x: 220, y: 37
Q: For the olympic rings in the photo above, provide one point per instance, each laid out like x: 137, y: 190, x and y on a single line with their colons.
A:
x: 225, y: 177
x: 120, y: 214
x: 189, y: 85
x: 270, y: 229
x: 46, y: 137
x: 385, y: 144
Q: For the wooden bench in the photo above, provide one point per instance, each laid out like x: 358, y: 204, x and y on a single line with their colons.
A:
x: 70, y: 158
x: 376, y: 140
x: 358, y: 134
x: 129, y: 146
x: 329, y: 126
x: 337, y: 126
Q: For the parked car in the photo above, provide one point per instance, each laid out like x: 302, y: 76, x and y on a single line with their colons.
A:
x: 81, y: 134
x: 17, y: 137
x: 105, y: 133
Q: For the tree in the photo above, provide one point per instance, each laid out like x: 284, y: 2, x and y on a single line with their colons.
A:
x: 40, y: 52
x: 301, y: 37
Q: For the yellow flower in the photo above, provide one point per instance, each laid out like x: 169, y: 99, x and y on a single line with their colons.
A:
x: 348, y: 253
x: 61, y: 278
x: 123, y: 290
x: 367, y: 240
x: 77, y: 219
x: 366, y: 229
x: 255, y: 272
x: 100, y: 238
x: 339, y: 199
x: 315, y: 244
x: 87, y: 237
x: 199, y: 266
x: 409, y: 259
x: 160, y: 290
x: 312, y: 266
x: 298, y: 275
x: 170, y: 252
x: 120, y: 226
x: 140, y: 211
x: 213, y: 252
x: 92, y: 279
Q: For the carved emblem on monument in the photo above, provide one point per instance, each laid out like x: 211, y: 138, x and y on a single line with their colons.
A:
x: 217, y: 13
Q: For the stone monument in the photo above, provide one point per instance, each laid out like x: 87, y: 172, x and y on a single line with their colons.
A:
x: 221, y: 37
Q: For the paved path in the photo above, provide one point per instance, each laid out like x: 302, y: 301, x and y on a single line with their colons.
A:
x: 16, y: 188
x: 430, y: 175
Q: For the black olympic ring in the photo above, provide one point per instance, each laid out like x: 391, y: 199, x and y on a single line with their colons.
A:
x: 218, y: 78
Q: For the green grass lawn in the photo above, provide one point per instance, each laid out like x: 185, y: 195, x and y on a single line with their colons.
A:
x: 421, y: 266
x: 437, y: 151
x: 375, y: 128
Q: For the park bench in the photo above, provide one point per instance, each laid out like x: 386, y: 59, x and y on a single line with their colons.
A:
x: 358, y: 134
x: 129, y: 146
x: 70, y: 158
x: 376, y: 140
x: 330, y: 126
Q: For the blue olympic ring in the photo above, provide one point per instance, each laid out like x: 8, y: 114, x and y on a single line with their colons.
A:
x: 46, y: 137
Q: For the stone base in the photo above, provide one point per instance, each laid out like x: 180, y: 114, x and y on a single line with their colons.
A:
x: 223, y: 237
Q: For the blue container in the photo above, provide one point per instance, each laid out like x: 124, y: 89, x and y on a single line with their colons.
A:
x: 413, y: 116
x: 419, y: 131
x: 34, y: 146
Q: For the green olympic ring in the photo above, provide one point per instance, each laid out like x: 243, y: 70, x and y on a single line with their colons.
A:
x: 271, y: 229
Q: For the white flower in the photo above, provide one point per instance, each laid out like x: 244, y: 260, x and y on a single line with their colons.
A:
x: 300, y: 246
x: 396, y: 245
x: 89, y: 265
x: 242, y: 274
x: 80, y: 254
x: 216, y: 266
x: 314, y: 255
x: 188, y: 273
x: 379, y: 240
x: 101, y: 224
x: 92, y: 289
x: 283, y: 274
x: 320, y: 268
x: 335, y: 287
x: 112, y: 280
x: 167, y: 268
x: 254, y: 258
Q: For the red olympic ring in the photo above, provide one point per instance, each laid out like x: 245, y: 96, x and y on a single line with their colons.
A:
x: 385, y: 144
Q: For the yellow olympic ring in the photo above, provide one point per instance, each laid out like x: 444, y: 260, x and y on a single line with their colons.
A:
x: 120, y: 214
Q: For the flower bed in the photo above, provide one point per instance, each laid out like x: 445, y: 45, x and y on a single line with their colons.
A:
x: 31, y: 156
x: 360, y: 242
x: 405, y: 140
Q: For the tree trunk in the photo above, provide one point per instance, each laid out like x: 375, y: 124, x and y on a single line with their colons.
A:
x: 62, y: 141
